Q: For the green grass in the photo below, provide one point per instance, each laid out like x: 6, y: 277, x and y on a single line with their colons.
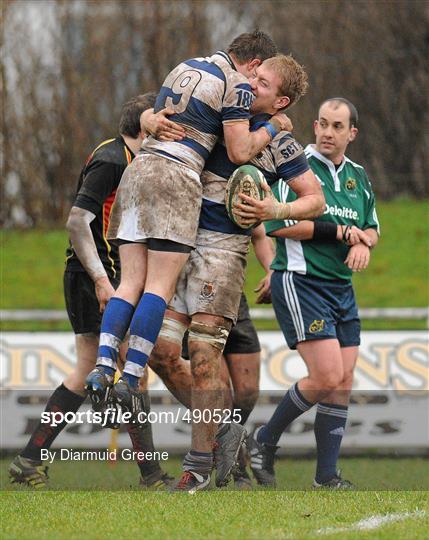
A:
x: 382, y: 473
x: 75, y: 511
x: 32, y: 263
x: 222, y: 515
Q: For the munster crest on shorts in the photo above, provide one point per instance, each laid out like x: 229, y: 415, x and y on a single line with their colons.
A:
x: 207, y: 290
x: 316, y: 326
x: 350, y: 184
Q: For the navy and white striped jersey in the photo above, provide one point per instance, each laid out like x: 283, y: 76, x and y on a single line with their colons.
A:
x: 205, y: 93
x: 283, y: 158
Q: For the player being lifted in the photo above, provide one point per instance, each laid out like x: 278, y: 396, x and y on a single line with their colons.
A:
x: 155, y: 216
x: 208, y: 292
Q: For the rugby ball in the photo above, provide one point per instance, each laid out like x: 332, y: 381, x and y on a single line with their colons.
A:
x: 246, y: 179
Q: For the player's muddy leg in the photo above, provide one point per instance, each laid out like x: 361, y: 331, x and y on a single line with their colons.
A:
x: 243, y: 369
x: 166, y: 360
x: 244, y: 372
x: 226, y: 385
x: 207, y: 337
x: 206, y: 340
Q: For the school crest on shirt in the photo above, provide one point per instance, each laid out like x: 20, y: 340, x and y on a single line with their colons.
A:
x: 207, y: 290
x: 350, y: 184
x: 316, y: 326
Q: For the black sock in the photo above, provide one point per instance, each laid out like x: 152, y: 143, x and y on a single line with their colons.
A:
x: 291, y: 406
x: 62, y: 400
x: 242, y: 412
x: 329, y: 428
x: 142, y: 441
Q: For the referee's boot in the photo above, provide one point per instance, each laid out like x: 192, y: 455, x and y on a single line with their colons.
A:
x: 130, y: 400
x: 262, y: 460
x: 99, y: 385
x: 29, y: 472
x: 228, y: 441
x: 335, y: 482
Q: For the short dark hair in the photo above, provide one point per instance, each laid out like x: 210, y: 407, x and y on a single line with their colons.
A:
x: 337, y: 101
x: 129, y: 124
x: 252, y: 45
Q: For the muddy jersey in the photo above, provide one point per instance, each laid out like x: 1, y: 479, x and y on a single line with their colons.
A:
x: 350, y: 200
x: 96, y: 192
x: 283, y: 158
x: 205, y: 94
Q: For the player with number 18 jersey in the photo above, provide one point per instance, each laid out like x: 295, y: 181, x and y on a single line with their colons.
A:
x: 205, y: 93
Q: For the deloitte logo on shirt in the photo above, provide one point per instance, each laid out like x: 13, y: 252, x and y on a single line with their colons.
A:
x: 341, y: 212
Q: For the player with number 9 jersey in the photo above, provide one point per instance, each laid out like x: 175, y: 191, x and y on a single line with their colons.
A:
x: 160, y: 194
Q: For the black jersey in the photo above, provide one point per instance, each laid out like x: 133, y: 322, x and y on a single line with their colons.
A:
x: 96, y: 192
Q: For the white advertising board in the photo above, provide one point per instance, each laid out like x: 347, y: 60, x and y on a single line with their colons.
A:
x: 389, y: 402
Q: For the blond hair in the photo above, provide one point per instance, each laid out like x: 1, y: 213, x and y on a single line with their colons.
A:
x: 294, y: 79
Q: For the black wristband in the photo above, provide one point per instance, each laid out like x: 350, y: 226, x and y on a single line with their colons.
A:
x: 324, y: 230
x: 346, y: 233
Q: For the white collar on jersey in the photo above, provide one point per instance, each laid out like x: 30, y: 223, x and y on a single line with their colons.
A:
x: 226, y: 57
x: 310, y: 149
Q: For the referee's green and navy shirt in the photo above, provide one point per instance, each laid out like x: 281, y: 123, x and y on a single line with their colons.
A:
x: 349, y: 201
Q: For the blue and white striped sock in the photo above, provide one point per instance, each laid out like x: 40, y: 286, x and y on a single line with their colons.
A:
x: 329, y: 430
x: 291, y: 406
x: 114, y: 326
x: 144, y: 329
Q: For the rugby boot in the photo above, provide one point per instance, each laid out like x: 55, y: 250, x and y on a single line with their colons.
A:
x: 191, y: 482
x: 129, y: 400
x: 241, y: 477
x: 334, y: 483
x: 262, y: 461
x: 157, y: 480
x: 98, y: 385
x: 228, y: 441
x: 28, y: 471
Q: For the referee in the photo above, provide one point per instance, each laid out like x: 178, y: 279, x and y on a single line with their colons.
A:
x: 313, y: 296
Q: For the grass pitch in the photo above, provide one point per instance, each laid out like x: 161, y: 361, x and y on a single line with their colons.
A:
x: 400, y: 257
x: 93, y: 500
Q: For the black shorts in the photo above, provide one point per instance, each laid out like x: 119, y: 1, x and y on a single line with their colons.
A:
x: 242, y: 339
x: 81, y: 302
x: 158, y: 244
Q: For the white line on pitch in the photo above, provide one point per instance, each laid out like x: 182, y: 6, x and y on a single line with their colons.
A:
x: 373, y: 522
